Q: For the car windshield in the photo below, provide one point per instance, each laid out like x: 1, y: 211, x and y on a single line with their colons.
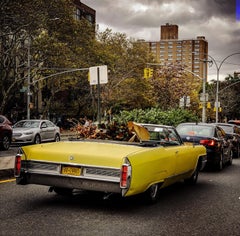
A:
x: 195, y: 130
x: 27, y: 124
x: 163, y: 134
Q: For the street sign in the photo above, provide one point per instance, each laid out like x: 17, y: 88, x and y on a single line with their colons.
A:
x: 23, y: 89
x: 184, y: 101
x: 98, y: 74
x: 204, y: 98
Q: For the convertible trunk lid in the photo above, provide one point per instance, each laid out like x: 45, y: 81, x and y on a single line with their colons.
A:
x: 81, y: 152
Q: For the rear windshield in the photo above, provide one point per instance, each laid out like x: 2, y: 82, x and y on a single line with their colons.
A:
x: 227, y: 129
x: 195, y: 130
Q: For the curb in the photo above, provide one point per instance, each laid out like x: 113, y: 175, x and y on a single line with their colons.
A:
x: 7, y: 167
x: 7, y: 162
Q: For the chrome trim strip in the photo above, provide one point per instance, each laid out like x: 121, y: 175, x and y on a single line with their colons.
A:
x: 87, y: 172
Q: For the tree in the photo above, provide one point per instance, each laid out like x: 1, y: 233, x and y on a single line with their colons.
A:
x: 229, y: 97
x: 56, y: 41
x: 16, y: 28
x: 172, y: 82
x: 125, y: 59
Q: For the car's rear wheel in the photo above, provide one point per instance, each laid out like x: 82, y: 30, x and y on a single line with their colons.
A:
x: 57, y: 138
x: 193, y: 179
x: 230, y: 157
x: 152, y: 194
x: 220, y: 162
x: 5, y: 143
x: 237, y: 153
x: 37, y: 139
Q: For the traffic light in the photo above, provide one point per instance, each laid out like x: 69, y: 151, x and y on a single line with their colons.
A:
x: 148, y: 73
x: 219, y: 109
x: 209, y: 105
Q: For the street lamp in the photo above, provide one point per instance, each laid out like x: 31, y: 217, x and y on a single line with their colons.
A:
x: 204, y: 100
x: 204, y: 91
x: 28, y: 78
x: 218, y: 67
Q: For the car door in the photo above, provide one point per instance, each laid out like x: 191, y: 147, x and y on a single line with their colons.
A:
x: 182, y: 153
x: 44, y: 131
x: 50, y: 131
x: 225, y: 144
x: 185, y: 160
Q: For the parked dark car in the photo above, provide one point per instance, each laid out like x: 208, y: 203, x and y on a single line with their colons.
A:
x: 5, y: 133
x: 213, y: 137
x: 233, y: 133
x: 235, y: 122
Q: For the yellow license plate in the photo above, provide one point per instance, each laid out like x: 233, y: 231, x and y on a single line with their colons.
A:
x: 69, y: 170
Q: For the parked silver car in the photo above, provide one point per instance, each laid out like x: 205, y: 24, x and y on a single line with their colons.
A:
x: 35, y: 131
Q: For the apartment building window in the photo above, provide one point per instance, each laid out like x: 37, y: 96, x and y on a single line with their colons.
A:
x: 78, y: 14
x: 89, y: 18
x: 196, y: 71
x: 153, y: 46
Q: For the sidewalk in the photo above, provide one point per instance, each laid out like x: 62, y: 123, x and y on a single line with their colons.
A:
x: 7, y: 160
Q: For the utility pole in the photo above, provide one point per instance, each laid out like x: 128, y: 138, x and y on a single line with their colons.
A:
x: 29, y: 77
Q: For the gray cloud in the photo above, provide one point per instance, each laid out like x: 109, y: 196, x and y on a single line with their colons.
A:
x: 214, y: 19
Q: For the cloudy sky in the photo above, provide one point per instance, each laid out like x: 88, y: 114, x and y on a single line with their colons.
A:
x: 217, y: 20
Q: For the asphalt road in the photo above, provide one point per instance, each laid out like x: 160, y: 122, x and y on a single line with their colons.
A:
x: 209, y: 208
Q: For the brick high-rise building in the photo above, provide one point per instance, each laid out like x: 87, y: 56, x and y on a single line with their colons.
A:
x: 169, y: 31
x: 191, y: 53
x: 84, y: 11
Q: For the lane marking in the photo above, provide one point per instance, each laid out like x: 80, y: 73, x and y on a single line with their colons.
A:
x: 7, y: 181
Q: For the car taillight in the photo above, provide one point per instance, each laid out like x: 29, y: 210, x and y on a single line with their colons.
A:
x: 208, y: 142
x: 17, y: 167
x: 125, y: 175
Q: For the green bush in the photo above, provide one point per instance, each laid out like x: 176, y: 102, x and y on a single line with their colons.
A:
x: 156, y: 116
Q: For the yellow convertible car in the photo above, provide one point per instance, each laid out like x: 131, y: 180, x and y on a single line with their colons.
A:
x: 153, y: 158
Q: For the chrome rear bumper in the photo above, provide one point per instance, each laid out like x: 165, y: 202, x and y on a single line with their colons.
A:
x: 68, y: 182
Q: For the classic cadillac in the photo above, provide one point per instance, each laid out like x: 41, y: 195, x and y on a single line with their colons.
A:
x: 153, y: 158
